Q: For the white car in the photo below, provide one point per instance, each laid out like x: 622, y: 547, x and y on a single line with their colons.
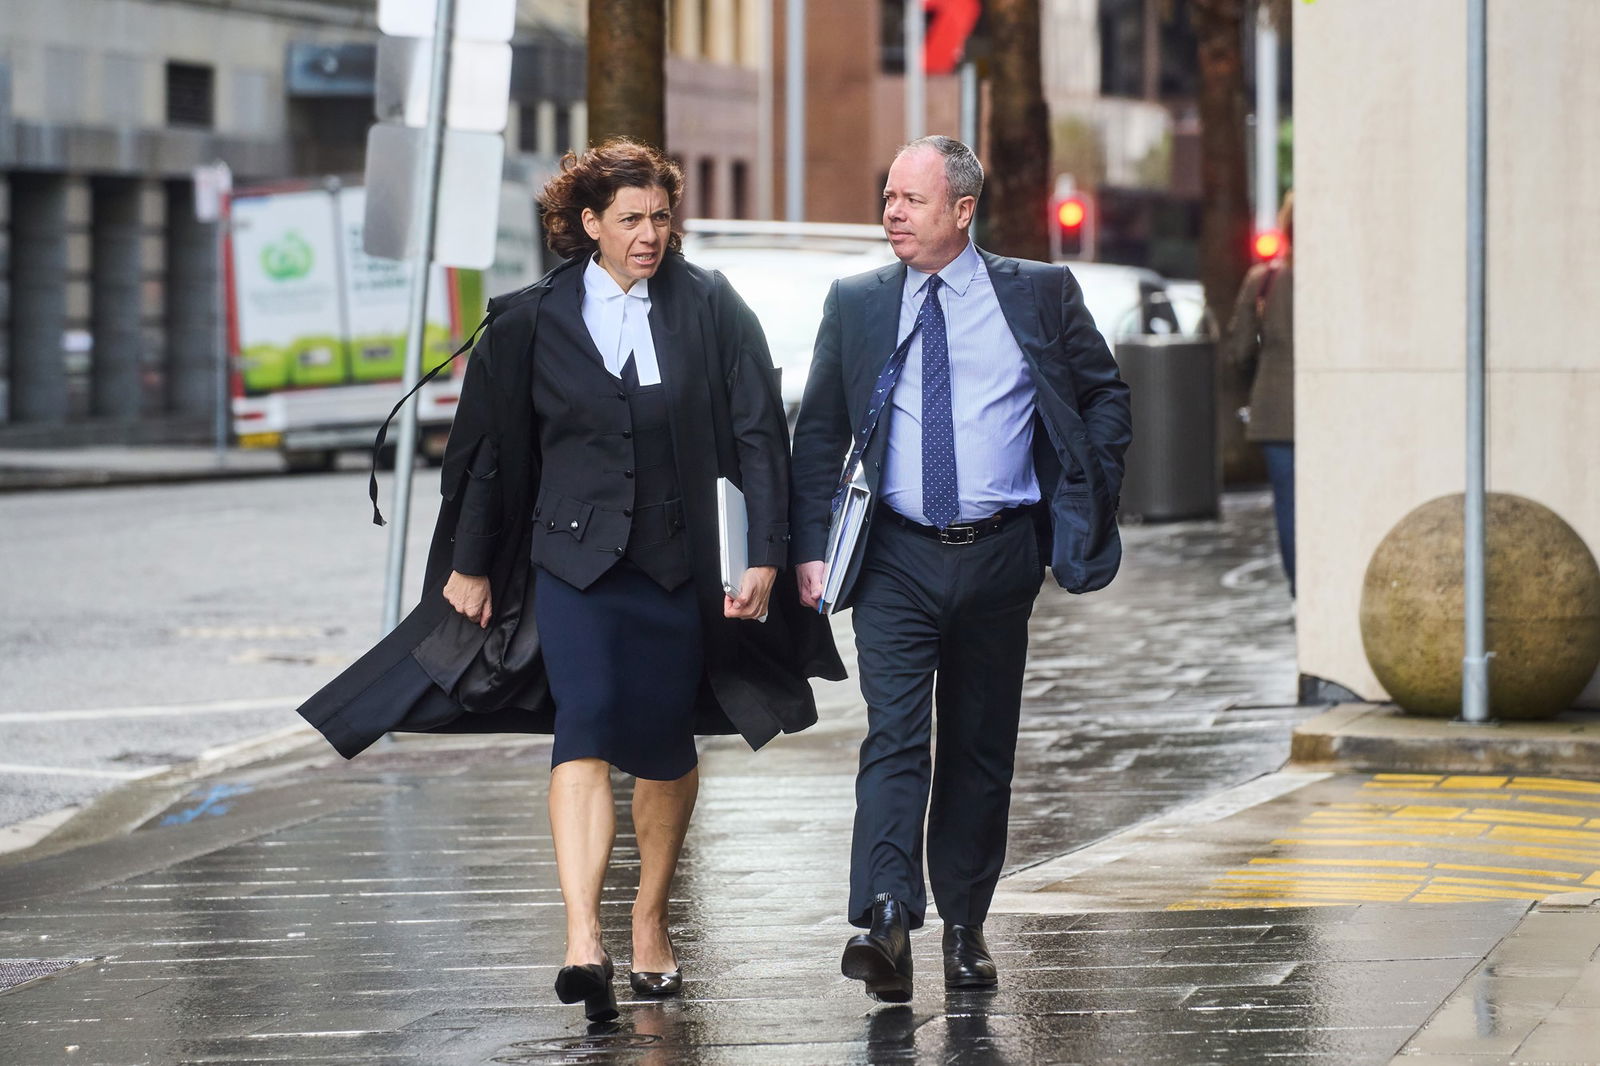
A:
x: 783, y: 270
x: 1125, y: 301
x: 1188, y: 299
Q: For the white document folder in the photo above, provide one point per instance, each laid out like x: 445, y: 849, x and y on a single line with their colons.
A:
x: 844, y: 539
x: 733, y: 537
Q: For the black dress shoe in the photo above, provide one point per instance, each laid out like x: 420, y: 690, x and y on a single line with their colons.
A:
x: 967, y: 962
x: 881, y: 957
x: 591, y: 983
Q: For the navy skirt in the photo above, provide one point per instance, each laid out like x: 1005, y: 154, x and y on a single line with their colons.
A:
x: 624, y: 658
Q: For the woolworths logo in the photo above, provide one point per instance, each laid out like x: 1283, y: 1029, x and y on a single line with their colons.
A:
x: 288, y: 259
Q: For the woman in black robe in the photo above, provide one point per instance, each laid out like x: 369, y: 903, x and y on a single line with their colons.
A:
x: 574, y: 581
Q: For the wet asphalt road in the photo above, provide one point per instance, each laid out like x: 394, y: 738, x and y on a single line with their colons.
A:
x: 145, y: 625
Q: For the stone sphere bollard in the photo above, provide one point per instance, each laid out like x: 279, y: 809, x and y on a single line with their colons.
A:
x: 1543, y: 600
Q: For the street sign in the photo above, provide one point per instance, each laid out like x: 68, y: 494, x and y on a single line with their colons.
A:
x: 475, y: 20
x: 468, y: 195
x: 480, y: 73
x: 212, y: 184
x: 433, y: 177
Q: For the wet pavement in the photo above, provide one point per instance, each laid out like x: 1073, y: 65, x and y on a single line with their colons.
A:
x: 404, y: 909
x: 1307, y: 839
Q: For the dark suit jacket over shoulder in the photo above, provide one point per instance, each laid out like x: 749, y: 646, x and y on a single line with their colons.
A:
x: 1082, y: 409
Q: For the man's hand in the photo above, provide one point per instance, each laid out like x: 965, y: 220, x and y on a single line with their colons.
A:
x: 809, y: 577
x: 469, y: 596
x: 753, y: 594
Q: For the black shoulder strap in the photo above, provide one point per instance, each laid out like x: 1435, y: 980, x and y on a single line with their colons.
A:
x: 383, y: 430
x: 888, y: 378
x: 1050, y: 304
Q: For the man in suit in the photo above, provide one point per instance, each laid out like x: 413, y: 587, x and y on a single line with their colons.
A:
x: 995, y: 450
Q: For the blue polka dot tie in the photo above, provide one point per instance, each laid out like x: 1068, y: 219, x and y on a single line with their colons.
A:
x: 941, y: 504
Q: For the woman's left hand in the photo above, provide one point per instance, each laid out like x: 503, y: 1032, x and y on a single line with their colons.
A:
x: 753, y: 594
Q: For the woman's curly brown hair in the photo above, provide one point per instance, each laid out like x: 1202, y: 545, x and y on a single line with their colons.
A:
x: 591, y: 180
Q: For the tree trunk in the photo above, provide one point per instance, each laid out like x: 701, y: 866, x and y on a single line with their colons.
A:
x: 1019, y: 134
x: 627, y: 70
x: 1225, y: 204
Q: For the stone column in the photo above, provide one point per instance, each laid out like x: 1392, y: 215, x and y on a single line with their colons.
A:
x: 38, y: 297
x: 114, y: 296
x: 191, y: 318
x: 5, y: 294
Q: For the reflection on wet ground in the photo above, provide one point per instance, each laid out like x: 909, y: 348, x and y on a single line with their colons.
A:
x: 407, y: 911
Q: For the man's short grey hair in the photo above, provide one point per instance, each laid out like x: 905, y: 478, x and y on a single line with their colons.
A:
x: 962, y: 171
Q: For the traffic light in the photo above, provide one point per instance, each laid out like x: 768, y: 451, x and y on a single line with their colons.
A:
x: 1267, y: 245
x: 1071, y: 227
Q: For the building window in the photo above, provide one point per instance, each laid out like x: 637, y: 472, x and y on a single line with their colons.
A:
x: 708, y: 188
x: 892, y: 35
x: 741, y: 189
x: 564, y: 130
x: 1147, y: 51
x: 528, y: 128
x: 190, y: 95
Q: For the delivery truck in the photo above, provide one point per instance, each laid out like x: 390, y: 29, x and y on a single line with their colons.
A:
x: 317, y: 328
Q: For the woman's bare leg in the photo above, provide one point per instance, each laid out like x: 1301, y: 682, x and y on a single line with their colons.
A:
x: 661, y: 811
x: 584, y: 824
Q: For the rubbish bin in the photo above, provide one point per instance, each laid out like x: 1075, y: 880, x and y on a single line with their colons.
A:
x: 1173, y: 469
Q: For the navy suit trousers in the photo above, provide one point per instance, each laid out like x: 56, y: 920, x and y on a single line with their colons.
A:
x: 939, y: 627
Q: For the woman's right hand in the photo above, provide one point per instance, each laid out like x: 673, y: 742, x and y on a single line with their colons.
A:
x: 469, y: 596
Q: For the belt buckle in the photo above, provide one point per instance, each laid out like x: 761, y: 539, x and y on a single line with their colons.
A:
x: 958, y: 535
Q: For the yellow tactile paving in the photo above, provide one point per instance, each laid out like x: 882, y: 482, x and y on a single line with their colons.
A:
x: 1504, y: 870
x: 1405, y: 863
x: 1493, y: 837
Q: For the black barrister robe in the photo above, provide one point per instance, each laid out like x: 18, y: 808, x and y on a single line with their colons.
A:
x: 727, y: 419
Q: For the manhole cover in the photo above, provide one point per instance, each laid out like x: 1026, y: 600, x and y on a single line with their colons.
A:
x: 14, y: 972
x: 536, y: 1051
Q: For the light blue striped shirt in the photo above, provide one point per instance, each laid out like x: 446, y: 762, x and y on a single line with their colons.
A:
x: 991, y: 396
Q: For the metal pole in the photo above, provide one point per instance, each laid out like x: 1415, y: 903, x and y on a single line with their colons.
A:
x: 224, y: 399
x: 794, y: 102
x: 916, y: 81
x: 765, y: 151
x: 1475, y: 665
x: 425, y: 211
x: 969, y: 104
x: 1266, y: 122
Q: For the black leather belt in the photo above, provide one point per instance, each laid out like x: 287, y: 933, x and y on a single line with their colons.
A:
x: 963, y: 533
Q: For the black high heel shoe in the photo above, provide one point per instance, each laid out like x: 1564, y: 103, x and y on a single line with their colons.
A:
x: 650, y: 983
x: 591, y: 983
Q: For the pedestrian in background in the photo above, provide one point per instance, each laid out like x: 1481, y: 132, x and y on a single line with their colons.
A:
x: 1260, y: 345
x: 992, y: 440
x: 574, y: 584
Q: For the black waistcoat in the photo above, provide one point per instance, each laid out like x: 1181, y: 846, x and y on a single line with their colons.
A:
x: 609, y: 487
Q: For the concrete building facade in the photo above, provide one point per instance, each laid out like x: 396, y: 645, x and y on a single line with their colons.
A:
x: 718, y: 72
x: 855, y: 106
x: 1380, y: 278
x: 107, y: 282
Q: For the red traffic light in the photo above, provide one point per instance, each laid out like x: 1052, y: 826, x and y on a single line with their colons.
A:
x: 1268, y: 244
x: 1071, y: 212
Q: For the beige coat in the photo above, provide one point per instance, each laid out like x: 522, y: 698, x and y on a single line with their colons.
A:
x: 1260, y: 345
